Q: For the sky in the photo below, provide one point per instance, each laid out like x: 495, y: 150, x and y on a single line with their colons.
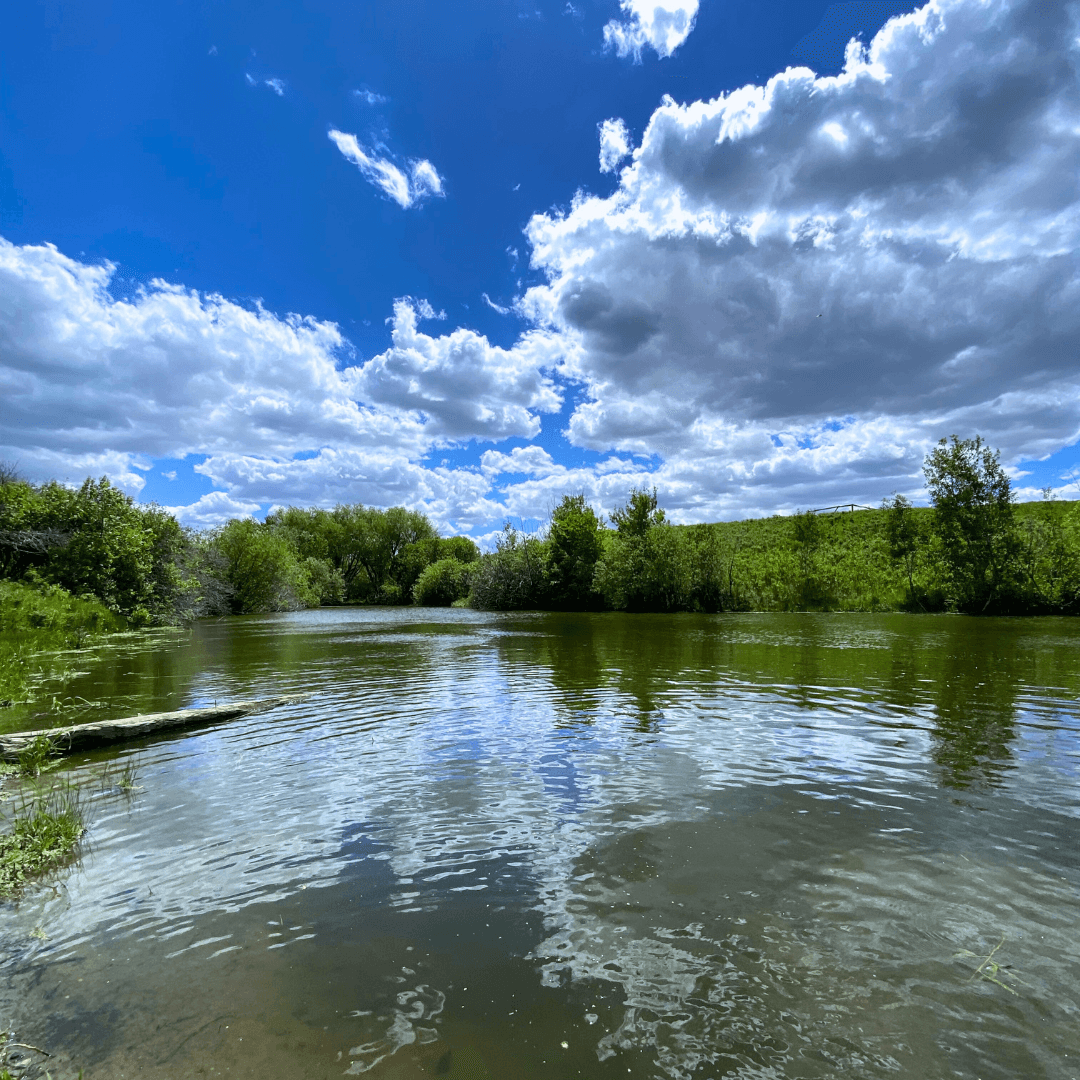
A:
x: 470, y: 257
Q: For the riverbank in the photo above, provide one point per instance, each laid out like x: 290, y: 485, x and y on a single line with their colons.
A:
x: 39, y: 623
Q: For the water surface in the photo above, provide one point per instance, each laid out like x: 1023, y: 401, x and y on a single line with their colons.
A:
x: 548, y: 846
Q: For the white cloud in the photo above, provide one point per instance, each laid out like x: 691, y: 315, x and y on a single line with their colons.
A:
x: 924, y: 204
x: 463, y: 386
x: 424, y: 310
x: 495, y: 307
x: 406, y: 190
x: 527, y: 460
x: 213, y: 508
x: 250, y: 79
x: 369, y: 97
x: 794, y: 292
x: 614, y: 144
x: 277, y: 85
x: 425, y: 180
x: 661, y: 24
x: 92, y: 385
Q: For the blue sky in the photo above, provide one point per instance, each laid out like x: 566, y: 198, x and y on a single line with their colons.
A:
x: 468, y: 257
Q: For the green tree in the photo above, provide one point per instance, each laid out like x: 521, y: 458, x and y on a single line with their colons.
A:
x: 647, y: 565
x: 905, y: 538
x: 124, y: 554
x: 442, y: 582
x: 574, y: 548
x: 513, y: 576
x: 262, y: 568
x: 639, y: 515
x: 973, y: 522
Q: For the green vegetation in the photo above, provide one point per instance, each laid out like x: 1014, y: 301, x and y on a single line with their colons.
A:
x: 36, y: 619
x: 79, y: 562
x: 127, y: 564
x: 974, y: 551
x: 44, y: 832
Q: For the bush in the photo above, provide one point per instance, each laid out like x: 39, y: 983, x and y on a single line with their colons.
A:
x: 262, y: 569
x: 512, y: 577
x: 442, y: 583
x: 652, y: 571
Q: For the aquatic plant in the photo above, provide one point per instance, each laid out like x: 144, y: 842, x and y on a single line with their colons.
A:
x: 44, y: 832
x: 34, y: 756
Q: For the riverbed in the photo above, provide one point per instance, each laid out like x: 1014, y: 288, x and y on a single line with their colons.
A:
x: 554, y: 846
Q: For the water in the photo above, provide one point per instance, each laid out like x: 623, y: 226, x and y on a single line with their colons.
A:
x: 547, y: 846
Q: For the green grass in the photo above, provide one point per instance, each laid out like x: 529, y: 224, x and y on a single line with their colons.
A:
x: 37, y: 756
x: 847, y: 569
x: 44, y: 832
x: 36, y: 623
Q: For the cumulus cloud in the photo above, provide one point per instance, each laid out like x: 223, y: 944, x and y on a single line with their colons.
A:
x: 95, y: 385
x: 812, y: 280
x: 614, y: 144
x: 213, y: 508
x: 406, y: 189
x: 663, y: 25
x: 794, y: 291
x: 526, y: 460
x: 464, y: 386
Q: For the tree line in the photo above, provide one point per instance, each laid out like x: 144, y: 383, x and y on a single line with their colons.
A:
x: 974, y: 550
x: 96, y: 542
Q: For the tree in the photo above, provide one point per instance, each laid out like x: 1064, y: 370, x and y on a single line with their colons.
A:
x: 647, y: 565
x: 973, y: 521
x: 262, y: 569
x: 904, y: 537
x: 639, y: 514
x: 511, y: 577
x: 574, y: 548
x: 441, y: 583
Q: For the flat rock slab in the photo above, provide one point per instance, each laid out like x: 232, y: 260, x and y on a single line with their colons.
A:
x: 82, y: 736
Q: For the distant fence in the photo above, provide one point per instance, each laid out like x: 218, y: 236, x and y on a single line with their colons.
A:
x: 850, y: 507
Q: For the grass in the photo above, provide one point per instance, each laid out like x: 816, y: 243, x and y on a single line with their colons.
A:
x: 845, y: 566
x: 36, y: 620
x: 37, y: 756
x: 48, y: 823
x: 45, y: 830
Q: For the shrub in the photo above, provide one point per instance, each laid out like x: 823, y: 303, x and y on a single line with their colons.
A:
x: 442, y: 583
x: 262, y: 569
x: 512, y: 577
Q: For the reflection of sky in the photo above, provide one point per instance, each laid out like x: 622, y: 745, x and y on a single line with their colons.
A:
x: 450, y: 751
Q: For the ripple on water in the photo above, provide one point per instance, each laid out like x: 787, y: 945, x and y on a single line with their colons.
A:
x: 498, y: 845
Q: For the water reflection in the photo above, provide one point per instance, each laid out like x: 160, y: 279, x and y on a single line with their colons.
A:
x: 570, y: 845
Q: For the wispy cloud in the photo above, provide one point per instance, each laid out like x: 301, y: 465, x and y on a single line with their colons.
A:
x: 406, y: 189
x: 369, y: 97
x: 495, y: 307
x: 277, y: 85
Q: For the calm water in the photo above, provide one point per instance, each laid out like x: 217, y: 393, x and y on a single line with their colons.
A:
x: 576, y: 846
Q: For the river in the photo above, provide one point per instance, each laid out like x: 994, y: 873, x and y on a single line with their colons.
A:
x: 551, y: 846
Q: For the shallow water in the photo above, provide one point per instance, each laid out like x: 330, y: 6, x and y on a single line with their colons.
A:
x: 547, y: 846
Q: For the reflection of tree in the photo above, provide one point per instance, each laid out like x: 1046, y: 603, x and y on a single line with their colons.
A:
x: 571, y: 654
x: 976, y: 690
